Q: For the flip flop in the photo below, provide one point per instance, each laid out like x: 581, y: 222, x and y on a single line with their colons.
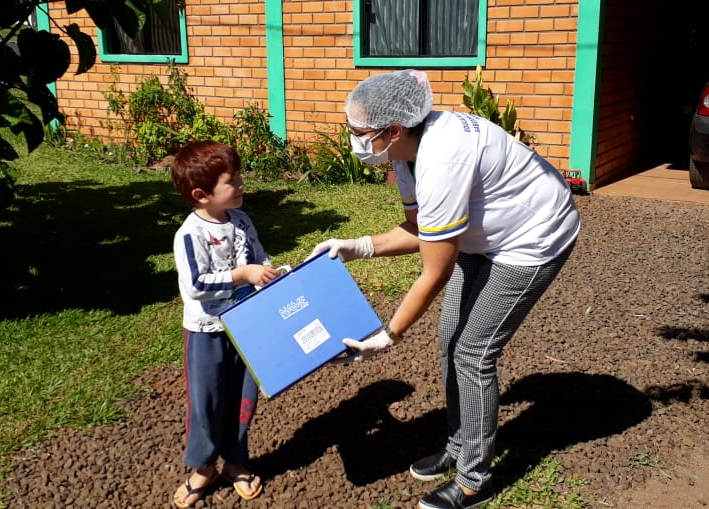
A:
x: 244, y: 478
x: 193, y: 491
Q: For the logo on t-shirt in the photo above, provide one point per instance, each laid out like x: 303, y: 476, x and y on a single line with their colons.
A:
x: 468, y: 121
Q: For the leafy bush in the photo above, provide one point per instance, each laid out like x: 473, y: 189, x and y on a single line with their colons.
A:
x: 483, y: 103
x: 208, y: 127
x: 162, y: 117
x: 335, y: 163
x: 263, y: 152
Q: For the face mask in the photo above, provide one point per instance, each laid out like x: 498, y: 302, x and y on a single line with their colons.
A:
x: 362, y: 148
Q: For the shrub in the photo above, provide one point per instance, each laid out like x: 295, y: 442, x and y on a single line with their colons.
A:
x: 263, y: 152
x: 163, y: 118
x: 335, y: 163
x: 483, y: 103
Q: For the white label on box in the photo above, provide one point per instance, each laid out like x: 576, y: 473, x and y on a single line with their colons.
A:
x: 311, y: 336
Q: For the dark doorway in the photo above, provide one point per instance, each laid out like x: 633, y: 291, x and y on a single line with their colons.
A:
x: 678, y: 43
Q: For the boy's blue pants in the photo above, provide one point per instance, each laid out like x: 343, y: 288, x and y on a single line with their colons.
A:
x: 221, y: 400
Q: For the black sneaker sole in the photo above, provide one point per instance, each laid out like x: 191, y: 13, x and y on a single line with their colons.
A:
x: 422, y: 505
x: 430, y: 477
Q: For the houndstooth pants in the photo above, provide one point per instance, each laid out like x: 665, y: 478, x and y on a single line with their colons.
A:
x: 484, y: 304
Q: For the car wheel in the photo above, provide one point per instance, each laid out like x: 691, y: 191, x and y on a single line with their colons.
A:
x: 698, y: 174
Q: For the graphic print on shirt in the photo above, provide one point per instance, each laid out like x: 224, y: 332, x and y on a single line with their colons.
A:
x: 228, y: 248
x: 227, y: 253
x: 244, y: 253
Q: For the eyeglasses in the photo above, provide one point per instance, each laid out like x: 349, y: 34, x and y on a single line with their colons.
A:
x: 359, y: 133
x: 367, y: 142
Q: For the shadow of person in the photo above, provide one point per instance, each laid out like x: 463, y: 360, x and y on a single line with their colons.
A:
x: 373, y: 444
x: 566, y: 409
x: 682, y: 393
x: 115, y: 233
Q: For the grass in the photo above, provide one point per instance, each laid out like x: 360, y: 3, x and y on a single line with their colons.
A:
x: 646, y: 460
x: 542, y: 486
x: 90, y: 295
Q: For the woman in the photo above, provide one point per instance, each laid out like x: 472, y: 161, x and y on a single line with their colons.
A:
x: 493, y: 223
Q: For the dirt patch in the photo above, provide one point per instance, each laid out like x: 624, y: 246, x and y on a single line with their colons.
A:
x: 686, y: 485
x: 610, y: 370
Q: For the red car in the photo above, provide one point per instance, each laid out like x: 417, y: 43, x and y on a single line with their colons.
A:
x: 699, y: 143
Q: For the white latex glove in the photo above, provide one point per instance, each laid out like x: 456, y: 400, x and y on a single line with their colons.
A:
x: 363, y: 350
x: 346, y: 249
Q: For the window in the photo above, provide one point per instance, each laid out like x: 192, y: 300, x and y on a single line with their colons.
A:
x: 423, y: 33
x: 163, y: 36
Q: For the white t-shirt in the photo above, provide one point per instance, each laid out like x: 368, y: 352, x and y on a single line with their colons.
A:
x: 473, y: 179
x: 205, y: 252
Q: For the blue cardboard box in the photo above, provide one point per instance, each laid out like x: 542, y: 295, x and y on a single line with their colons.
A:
x: 294, y: 325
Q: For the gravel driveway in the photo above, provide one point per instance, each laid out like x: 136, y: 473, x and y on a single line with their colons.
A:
x: 611, y: 370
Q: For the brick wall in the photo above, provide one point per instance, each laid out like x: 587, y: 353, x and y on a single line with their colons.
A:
x: 530, y: 60
x: 226, y: 70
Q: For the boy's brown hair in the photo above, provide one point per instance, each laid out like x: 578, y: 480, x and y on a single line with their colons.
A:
x: 199, y: 164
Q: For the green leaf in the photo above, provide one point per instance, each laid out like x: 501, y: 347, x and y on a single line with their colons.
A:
x: 509, y: 117
x: 47, y: 102
x: 12, y: 12
x: 33, y: 131
x: 46, y: 56
x: 22, y: 121
x: 12, y: 111
x: 468, y: 93
x: 467, y: 85
x: 7, y: 151
x: 10, y: 66
x: 99, y: 12
x: 85, y: 46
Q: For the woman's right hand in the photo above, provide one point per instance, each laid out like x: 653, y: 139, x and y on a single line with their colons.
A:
x: 362, y: 350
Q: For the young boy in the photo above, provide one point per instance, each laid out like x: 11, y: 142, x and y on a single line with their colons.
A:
x: 219, y: 261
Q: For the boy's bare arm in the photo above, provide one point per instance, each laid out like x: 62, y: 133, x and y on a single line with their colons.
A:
x: 259, y: 275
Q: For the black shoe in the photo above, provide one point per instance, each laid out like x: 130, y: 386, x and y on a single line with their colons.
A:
x: 451, y: 496
x: 433, y: 467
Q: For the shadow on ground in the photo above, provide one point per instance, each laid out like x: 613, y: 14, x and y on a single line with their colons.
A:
x: 87, y: 245
x: 372, y: 443
x: 565, y: 409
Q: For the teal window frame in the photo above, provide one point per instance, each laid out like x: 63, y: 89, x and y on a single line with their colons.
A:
x: 360, y: 60
x: 181, y: 58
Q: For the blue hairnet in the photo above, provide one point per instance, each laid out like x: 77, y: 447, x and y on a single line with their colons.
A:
x: 402, y: 97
